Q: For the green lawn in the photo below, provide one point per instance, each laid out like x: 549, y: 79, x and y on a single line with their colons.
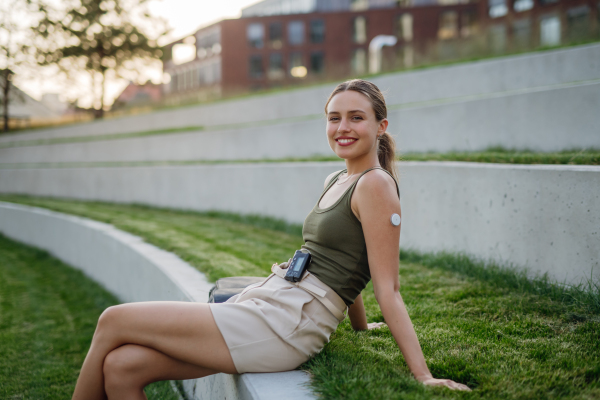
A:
x: 491, y: 328
x: 511, y: 156
x: 48, y: 313
x: 492, y: 155
x: 96, y: 138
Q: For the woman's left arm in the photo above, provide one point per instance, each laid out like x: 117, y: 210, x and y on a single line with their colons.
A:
x: 374, y: 201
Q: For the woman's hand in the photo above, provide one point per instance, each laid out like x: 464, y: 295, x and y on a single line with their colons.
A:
x: 283, y: 265
x: 376, y: 325
x: 450, y: 384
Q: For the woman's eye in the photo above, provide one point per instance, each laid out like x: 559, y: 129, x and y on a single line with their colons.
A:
x: 333, y: 119
x: 357, y: 117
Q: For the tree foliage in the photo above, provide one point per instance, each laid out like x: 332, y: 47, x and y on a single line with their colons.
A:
x: 106, y: 38
x: 15, y: 48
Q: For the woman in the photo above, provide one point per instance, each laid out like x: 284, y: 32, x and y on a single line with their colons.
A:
x: 277, y: 325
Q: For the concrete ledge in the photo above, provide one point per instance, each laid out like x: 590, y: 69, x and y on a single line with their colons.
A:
x: 545, y: 218
x: 545, y: 119
x: 497, y: 75
x: 137, y: 271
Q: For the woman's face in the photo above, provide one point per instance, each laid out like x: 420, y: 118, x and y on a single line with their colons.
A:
x: 352, y: 128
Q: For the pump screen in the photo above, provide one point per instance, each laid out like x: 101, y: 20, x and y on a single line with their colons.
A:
x: 298, y: 264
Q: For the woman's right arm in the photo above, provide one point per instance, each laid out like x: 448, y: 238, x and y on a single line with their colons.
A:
x: 358, y: 316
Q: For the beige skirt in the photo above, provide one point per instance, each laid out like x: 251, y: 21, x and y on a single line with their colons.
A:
x: 275, y: 325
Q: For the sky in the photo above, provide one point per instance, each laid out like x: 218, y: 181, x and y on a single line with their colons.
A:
x: 183, y: 16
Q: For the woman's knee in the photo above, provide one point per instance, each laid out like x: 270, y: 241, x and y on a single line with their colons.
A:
x: 108, y: 323
x: 124, y: 366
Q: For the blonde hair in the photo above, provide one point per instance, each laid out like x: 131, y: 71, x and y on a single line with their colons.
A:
x: 386, y: 151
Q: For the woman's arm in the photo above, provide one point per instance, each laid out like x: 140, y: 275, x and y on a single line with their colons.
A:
x: 358, y: 316
x: 374, y: 201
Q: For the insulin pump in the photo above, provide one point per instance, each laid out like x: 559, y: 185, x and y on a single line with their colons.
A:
x: 298, y: 265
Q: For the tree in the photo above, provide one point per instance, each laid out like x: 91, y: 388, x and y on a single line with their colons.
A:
x: 15, y: 46
x: 102, y: 38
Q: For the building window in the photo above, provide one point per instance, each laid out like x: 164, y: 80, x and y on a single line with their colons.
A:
x: 276, y: 70
x: 217, y: 67
x: 256, y: 66
x: 448, y: 26
x: 209, y: 74
x: 317, y: 31
x: 578, y: 23
x: 256, y: 35
x: 359, y: 61
x: 404, y: 27
x: 359, y: 5
x: 497, y: 8
x: 296, y: 32
x: 174, y: 82
x: 201, y: 75
x: 550, y: 30
x: 521, y: 33
x: 359, y: 30
x: 468, y: 23
x: 522, y: 5
x: 276, y: 35
x: 407, y: 55
x: 497, y: 36
x: 297, y: 67
x: 317, y: 62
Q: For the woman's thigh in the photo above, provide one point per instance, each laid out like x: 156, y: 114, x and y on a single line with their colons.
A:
x: 136, y: 366
x: 183, y: 331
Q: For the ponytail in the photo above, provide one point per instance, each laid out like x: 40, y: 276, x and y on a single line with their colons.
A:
x: 386, y: 152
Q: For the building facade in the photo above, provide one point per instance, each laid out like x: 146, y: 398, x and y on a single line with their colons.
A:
x: 288, y: 42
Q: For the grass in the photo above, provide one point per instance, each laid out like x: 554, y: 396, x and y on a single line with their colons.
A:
x: 97, y: 138
x: 48, y: 313
x: 217, y: 244
x: 497, y: 155
x: 512, y: 156
x: 491, y: 327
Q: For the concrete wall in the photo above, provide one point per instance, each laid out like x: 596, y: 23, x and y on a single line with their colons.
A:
x: 137, y: 271
x: 546, y: 218
x: 548, y: 119
x: 417, y: 93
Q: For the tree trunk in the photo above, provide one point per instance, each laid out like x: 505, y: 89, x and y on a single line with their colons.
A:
x: 5, y: 93
x: 102, y: 93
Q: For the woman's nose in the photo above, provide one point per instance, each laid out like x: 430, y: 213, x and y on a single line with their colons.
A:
x: 344, y: 125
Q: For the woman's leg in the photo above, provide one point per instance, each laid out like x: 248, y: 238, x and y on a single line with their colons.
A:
x: 185, y: 332
x: 130, y: 368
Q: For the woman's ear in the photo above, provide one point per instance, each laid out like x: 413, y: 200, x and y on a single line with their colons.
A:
x: 383, y: 124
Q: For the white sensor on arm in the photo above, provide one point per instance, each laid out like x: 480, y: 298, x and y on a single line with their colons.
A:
x: 395, y: 219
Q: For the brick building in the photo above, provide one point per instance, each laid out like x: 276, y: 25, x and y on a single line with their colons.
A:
x: 269, y: 47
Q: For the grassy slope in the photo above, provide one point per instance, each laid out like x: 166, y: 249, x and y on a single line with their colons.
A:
x: 96, y: 138
x: 492, y: 155
x: 48, y: 313
x: 506, y: 340
x: 508, y: 156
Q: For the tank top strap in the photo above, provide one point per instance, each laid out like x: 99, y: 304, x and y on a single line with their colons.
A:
x: 332, y: 181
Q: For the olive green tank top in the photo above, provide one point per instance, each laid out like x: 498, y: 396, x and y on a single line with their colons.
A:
x: 335, y: 239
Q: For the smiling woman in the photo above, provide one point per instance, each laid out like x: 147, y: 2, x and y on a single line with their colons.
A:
x: 276, y: 324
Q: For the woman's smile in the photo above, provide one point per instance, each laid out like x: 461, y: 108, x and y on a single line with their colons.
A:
x: 345, y: 141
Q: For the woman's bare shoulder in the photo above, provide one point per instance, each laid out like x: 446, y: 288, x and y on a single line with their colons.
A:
x: 379, y: 184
